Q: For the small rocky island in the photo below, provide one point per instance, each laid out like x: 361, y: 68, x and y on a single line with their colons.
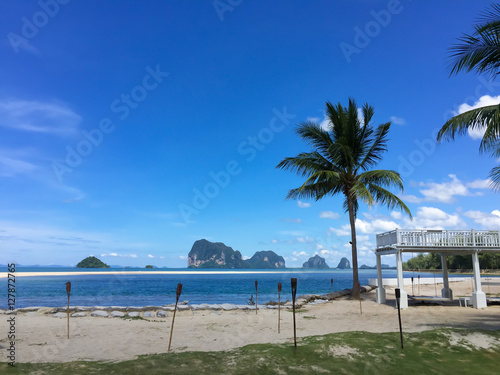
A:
x: 206, y: 254
x: 92, y: 262
x: 344, y: 264
x: 316, y: 262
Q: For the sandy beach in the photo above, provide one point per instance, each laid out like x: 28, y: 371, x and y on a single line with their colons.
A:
x: 41, y: 337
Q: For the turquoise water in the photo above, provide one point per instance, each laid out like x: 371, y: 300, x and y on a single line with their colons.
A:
x: 160, y: 289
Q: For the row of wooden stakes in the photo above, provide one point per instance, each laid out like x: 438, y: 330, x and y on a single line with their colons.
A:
x: 178, y: 294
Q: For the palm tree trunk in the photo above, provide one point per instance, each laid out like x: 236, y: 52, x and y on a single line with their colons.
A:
x: 355, y: 278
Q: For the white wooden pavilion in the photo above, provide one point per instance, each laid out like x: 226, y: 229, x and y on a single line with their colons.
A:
x: 445, y: 242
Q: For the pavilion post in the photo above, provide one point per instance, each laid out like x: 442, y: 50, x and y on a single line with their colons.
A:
x: 403, y: 303
x: 478, y: 296
x: 446, y: 292
x: 380, y: 293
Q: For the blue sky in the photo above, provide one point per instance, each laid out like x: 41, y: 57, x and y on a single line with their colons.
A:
x: 128, y: 130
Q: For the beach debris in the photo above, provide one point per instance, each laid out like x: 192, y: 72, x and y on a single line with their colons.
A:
x: 68, y: 291
x: 398, y: 298
x: 178, y: 294
x: 279, y: 306
x: 251, y: 301
x: 294, y: 293
x: 360, y: 308
x: 256, y: 305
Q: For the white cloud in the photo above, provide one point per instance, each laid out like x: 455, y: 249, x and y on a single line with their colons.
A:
x: 324, y: 124
x: 303, y: 204
x: 483, y: 101
x: 396, y: 215
x: 434, y: 218
x: 305, y: 239
x: 119, y: 255
x: 445, y: 192
x: 342, y: 231
x: 245, y: 257
x: 301, y: 254
x: 366, y: 227
x: 275, y: 241
x: 360, y: 115
x: 480, y: 184
x: 150, y: 256
x: 375, y: 226
x: 486, y: 220
x: 39, y: 117
x: 398, y: 120
x: 328, y: 215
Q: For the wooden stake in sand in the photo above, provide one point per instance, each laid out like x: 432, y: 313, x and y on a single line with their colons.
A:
x: 256, y: 308
x: 179, y: 291
x: 412, y: 291
x: 294, y: 292
x: 398, y: 296
x: 360, y: 308
x: 279, y: 306
x: 68, y: 290
x: 331, y: 281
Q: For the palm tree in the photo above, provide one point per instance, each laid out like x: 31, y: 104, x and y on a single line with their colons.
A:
x: 340, y: 163
x: 479, y: 51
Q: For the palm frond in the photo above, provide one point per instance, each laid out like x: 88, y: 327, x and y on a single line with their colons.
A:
x: 382, y: 177
x: 495, y: 178
x: 388, y: 199
x: 485, y: 117
x: 378, y: 146
x: 480, y: 50
x: 315, y: 135
x: 306, y: 163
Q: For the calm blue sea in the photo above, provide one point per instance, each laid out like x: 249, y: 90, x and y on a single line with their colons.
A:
x: 151, y: 289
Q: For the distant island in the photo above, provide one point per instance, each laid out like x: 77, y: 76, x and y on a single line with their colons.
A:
x: 383, y: 266
x: 344, y: 264
x: 206, y: 254
x: 316, y: 262
x: 92, y: 262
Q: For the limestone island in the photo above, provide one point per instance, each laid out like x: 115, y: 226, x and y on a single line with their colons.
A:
x: 206, y: 254
x: 316, y: 262
x: 344, y: 264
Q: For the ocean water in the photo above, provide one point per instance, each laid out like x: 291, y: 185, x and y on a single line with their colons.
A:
x: 160, y: 289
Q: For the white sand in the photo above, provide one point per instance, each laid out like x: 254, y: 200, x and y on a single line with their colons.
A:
x: 42, y: 338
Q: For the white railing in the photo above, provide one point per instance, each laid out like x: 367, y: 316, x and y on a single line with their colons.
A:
x: 439, y: 238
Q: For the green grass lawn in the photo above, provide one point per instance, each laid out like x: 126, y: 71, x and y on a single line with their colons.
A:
x: 443, y: 351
